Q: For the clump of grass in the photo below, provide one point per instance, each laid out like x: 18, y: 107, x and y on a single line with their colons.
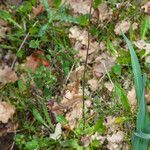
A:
x: 141, y: 136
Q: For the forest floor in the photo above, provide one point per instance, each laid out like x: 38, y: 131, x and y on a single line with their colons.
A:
x: 66, y: 80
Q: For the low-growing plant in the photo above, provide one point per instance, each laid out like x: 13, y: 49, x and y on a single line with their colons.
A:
x: 141, y: 136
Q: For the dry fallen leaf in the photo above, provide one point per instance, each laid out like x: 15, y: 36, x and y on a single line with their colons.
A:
x: 77, y: 73
x: 6, y: 111
x: 122, y: 26
x: 103, y: 64
x: 7, y: 128
x: 132, y: 98
x: 85, y: 141
x: 93, y: 84
x: 115, y: 141
x: 141, y: 44
x: 80, y: 6
x: 7, y: 75
x: 2, y: 32
x: 98, y: 137
x: 37, y: 10
x: 146, y: 8
x: 35, y: 59
x: 109, y: 86
x: 111, y: 124
x: 80, y: 42
x: 58, y: 131
x: 104, y: 12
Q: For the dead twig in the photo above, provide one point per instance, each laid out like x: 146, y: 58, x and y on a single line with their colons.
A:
x: 20, y: 47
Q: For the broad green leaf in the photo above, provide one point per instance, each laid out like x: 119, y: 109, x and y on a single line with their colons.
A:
x: 136, y: 69
x: 140, y: 138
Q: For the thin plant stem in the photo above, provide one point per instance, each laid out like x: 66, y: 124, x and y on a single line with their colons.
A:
x: 85, y: 68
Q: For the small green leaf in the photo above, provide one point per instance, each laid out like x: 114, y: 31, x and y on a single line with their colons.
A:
x: 32, y: 145
x: 99, y: 127
x: 122, y: 96
x: 96, y: 3
x: 21, y: 86
x: 73, y: 143
x: 20, y: 53
x: 117, y: 69
x: 145, y: 27
x: 34, y: 44
x: 83, y: 20
x: 61, y: 119
x: 38, y: 117
x: 57, y: 3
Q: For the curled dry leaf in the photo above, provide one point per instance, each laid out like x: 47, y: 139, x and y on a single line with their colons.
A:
x: 141, y: 44
x: 103, y: 64
x: 93, y: 84
x: 37, y: 10
x: 115, y: 141
x: 111, y: 124
x: 80, y: 6
x: 6, y: 111
x: 109, y: 86
x: 85, y: 141
x: 122, y: 26
x: 7, y: 75
x: 97, y: 136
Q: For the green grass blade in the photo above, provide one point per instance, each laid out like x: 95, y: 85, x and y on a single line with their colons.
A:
x: 144, y: 28
x: 122, y: 96
x: 38, y: 117
x: 5, y: 15
x: 47, y: 115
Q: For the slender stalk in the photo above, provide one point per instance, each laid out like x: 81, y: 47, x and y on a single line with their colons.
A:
x: 85, y: 67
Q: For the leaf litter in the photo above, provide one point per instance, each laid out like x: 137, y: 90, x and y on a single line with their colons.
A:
x: 100, y: 63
